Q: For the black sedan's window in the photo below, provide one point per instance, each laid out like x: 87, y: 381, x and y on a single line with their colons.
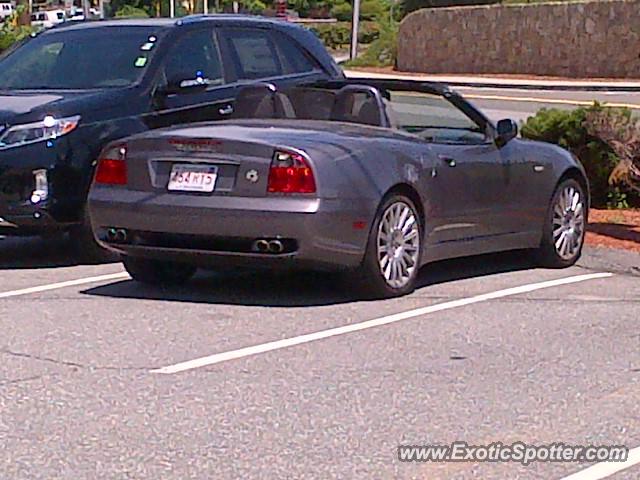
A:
x: 433, y: 118
x: 255, y: 53
x: 81, y: 59
x: 293, y: 59
x: 194, y: 56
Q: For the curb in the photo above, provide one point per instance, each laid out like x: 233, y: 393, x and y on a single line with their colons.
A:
x: 622, y: 87
x: 550, y: 87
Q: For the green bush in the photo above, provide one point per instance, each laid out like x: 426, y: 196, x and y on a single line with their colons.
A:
x: 129, y: 11
x: 383, y: 50
x: 11, y: 32
x: 567, y: 129
x: 374, y: 10
x: 337, y: 35
x: 342, y: 11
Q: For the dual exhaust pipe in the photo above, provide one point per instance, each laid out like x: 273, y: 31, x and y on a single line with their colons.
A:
x: 117, y: 235
x: 268, y: 246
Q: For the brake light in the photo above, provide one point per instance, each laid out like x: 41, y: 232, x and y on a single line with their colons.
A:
x: 112, y: 167
x: 290, y: 172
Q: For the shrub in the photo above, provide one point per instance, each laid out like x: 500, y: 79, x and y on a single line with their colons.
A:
x: 383, y: 51
x: 11, y: 32
x: 374, y: 10
x: 342, y: 11
x: 621, y: 132
x: 337, y: 35
x: 128, y: 11
x: 569, y: 130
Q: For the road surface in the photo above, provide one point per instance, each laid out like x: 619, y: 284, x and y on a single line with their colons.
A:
x: 94, y: 384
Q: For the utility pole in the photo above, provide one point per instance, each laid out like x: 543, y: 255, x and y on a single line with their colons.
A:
x: 206, y: 6
x: 355, y: 24
x: 172, y: 8
x: 86, y: 9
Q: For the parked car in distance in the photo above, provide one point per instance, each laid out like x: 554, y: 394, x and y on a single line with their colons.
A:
x: 373, y: 177
x: 6, y: 10
x: 47, y: 18
x: 72, y: 89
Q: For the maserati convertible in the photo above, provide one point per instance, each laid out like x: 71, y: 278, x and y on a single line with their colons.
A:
x: 371, y: 178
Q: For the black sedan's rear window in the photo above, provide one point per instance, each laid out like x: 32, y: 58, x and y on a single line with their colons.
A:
x: 80, y: 59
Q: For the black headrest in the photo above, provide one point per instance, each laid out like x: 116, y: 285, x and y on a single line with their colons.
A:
x: 359, y: 104
x: 262, y: 100
x: 312, y: 103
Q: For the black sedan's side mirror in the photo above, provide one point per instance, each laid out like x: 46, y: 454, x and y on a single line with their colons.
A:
x: 507, y: 131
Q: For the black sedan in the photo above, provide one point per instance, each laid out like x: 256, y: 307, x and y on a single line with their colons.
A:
x: 372, y: 177
x: 69, y: 91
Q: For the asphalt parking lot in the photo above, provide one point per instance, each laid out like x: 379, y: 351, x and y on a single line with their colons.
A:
x: 93, y: 382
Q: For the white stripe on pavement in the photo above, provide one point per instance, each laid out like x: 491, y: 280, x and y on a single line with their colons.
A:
x: 70, y: 283
x: 377, y: 322
x: 606, y: 469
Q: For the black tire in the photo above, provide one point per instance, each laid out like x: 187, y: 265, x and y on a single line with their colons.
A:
x: 84, y: 245
x: 158, y: 272
x: 548, y: 255
x: 369, y: 278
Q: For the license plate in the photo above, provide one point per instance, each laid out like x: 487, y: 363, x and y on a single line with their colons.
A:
x: 193, y: 178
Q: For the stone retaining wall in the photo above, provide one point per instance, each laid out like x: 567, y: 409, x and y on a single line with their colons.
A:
x: 585, y: 39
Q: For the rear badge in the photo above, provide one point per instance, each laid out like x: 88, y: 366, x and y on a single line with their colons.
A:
x: 252, y: 176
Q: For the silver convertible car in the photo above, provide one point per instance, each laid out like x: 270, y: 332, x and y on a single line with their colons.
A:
x: 374, y: 178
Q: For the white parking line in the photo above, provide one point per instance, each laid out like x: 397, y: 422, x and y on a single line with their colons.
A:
x: 605, y: 470
x: 377, y: 322
x: 70, y: 283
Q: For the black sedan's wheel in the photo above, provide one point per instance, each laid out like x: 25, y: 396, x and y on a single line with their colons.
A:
x: 392, y: 260
x: 563, y: 235
x: 158, y: 272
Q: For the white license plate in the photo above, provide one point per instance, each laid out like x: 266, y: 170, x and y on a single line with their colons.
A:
x: 193, y: 178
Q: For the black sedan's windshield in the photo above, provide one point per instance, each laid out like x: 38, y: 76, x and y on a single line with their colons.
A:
x: 79, y: 60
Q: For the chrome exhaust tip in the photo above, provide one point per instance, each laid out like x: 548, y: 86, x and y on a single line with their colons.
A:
x: 275, y: 246
x: 112, y: 235
x: 261, y: 246
x: 121, y: 235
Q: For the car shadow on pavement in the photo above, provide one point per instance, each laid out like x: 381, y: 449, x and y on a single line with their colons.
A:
x: 300, y: 289
x: 19, y: 253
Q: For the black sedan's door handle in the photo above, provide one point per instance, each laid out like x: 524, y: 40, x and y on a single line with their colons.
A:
x: 448, y: 160
x: 226, y: 110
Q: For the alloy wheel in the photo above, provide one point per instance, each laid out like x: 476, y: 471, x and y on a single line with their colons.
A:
x: 398, y: 244
x: 568, y: 222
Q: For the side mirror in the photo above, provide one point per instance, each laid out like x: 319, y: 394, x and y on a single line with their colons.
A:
x: 507, y: 131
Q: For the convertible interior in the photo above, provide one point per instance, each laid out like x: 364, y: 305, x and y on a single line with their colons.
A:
x: 429, y: 114
x: 352, y: 103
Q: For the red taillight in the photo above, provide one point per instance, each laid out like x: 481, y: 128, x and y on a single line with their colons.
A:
x: 112, y: 167
x: 290, y: 172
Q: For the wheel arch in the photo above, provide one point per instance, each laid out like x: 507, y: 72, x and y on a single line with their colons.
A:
x: 574, y: 173
x: 410, y: 192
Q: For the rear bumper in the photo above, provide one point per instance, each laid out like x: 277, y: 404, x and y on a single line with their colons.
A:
x: 221, y: 230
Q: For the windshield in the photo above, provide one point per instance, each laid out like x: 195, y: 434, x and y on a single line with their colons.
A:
x: 79, y: 60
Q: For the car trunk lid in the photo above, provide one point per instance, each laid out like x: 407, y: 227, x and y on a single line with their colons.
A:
x: 205, y: 166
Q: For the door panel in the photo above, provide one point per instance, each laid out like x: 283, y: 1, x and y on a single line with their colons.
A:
x: 474, y: 181
x: 193, y: 58
x: 530, y: 190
